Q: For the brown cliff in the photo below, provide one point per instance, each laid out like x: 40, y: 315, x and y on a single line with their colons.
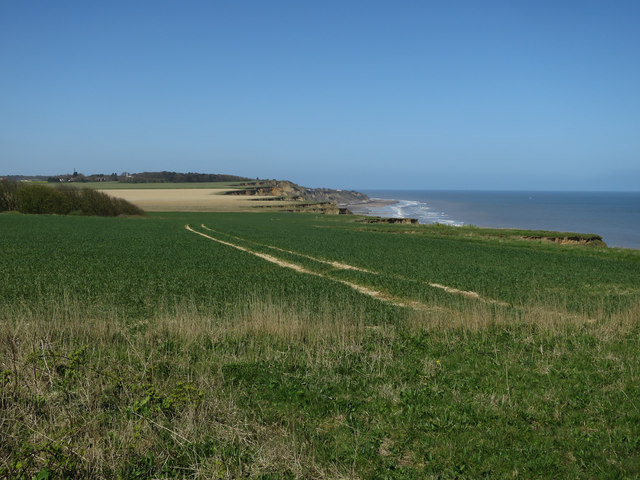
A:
x: 311, y: 199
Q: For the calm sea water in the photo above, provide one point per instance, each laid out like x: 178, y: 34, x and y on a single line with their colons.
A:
x: 613, y: 215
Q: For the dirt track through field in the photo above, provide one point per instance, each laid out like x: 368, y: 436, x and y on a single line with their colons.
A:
x: 345, y: 266
x: 298, y: 268
x: 341, y: 266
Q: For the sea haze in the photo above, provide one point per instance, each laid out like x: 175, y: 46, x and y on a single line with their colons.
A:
x: 613, y: 215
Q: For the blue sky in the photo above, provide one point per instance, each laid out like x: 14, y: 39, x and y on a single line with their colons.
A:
x: 402, y: 94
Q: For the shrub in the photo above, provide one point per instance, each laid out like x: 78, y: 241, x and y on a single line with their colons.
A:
x: 62, y: 200
x: 8, y: 200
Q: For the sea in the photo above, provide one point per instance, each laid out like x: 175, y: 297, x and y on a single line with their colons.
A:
x: 613, y: 215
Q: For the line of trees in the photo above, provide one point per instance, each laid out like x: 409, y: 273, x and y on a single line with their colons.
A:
x: 176, y: 177
x: 147, y: 177
x: 61, y: 200
x: 79, y: 178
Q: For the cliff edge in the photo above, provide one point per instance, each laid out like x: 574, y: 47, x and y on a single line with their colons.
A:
x: 287, y: 190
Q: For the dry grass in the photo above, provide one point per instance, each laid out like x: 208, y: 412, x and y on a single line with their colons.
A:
x: 51, y: 403
x: 99, y: 397
x: 550, y: 317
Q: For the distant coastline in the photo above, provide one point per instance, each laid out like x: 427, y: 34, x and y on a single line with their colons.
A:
x: 613, y: 215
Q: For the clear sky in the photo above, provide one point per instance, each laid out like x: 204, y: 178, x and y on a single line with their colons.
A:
x: 346, y: 94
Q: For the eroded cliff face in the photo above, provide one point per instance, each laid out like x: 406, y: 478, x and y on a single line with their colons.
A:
x: 402, y: 221
x: 339, y: 197
x: 290, y: 191
x: 576, y: 240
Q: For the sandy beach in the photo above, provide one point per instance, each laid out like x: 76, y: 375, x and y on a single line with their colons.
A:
x: 371, y: 206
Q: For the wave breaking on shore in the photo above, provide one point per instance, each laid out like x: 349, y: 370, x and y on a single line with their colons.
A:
x: 381, y: 207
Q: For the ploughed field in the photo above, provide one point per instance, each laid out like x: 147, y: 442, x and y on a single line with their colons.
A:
x: 272, y: 345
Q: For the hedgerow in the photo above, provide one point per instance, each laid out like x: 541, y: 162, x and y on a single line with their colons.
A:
x: 63, y: 200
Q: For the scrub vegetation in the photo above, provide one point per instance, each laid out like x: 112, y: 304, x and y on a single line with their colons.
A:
x: 135, y: 348
x: 61, y: 200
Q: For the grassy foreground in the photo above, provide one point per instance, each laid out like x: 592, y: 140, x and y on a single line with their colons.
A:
x: 133, y: 348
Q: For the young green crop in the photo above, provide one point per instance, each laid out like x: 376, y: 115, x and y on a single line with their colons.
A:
x: 580, y: 279
x: 134, y: 348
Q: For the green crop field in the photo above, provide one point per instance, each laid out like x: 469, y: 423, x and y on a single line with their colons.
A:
x: 276, y: 346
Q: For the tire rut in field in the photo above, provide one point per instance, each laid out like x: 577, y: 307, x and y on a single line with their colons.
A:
x: 345, y: 266
x: 299, y: 268
x: 339, y: 265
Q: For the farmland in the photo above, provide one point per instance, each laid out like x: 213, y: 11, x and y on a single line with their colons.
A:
x: 159, y: 185
x: 274, y: 345
x: 194, y: 200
